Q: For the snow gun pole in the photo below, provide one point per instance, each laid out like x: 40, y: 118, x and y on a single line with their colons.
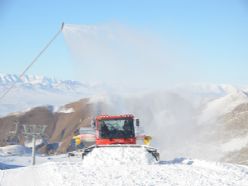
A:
x: 33, y: 61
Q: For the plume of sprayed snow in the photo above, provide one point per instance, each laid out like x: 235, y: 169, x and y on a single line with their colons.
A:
x: 169, y: 118
x: 117, y: 54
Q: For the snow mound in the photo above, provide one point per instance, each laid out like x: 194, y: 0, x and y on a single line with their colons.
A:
x: 13, y: 150
x: 109, y: 156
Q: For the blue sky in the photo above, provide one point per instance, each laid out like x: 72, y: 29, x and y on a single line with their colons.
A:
x: 210, y: 37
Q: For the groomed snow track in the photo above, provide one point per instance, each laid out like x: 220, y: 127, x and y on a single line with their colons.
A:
x: 126, y: 166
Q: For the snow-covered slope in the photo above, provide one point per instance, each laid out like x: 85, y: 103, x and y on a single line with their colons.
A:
x: 13, y: 150
x: 212, y: 100
x: 200, y: 94
x: 74, y: 171
x: 222, y: 105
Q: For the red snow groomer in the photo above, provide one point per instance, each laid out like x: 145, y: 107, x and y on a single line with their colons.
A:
x: 117, y: 131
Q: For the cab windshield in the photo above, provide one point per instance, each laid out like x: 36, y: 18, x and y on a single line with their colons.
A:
x: 116, y: 128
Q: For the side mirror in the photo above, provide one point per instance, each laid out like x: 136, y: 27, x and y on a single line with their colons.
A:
x: 93, y: 124
x: 137, y: 122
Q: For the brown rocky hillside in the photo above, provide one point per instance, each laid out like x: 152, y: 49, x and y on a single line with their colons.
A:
x: 60, y: 125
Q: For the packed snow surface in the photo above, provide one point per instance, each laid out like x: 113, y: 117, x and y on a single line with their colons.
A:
x: 129, y: 166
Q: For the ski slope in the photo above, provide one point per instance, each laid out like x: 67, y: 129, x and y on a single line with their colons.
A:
x: 125, y: 167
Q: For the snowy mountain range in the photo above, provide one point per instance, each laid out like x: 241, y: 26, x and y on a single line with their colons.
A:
x: 32, y: 90
x: 40, y: 82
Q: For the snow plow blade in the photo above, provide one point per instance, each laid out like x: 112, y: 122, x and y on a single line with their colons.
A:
x: 149, y: 149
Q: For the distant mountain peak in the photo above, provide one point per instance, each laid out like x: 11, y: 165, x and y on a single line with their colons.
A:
x: 41, y: 82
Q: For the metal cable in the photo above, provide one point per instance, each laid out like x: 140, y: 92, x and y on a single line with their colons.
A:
x: 32, y: 62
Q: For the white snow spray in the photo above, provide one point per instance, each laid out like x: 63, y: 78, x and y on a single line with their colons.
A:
x: 129, y: 61
x: 116, y: 54
x: 170, y: 119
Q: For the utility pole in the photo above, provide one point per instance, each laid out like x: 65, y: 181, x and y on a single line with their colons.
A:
x: 34, y: 131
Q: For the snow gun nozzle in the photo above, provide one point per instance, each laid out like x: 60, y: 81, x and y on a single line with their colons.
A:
x: 62, y: 26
